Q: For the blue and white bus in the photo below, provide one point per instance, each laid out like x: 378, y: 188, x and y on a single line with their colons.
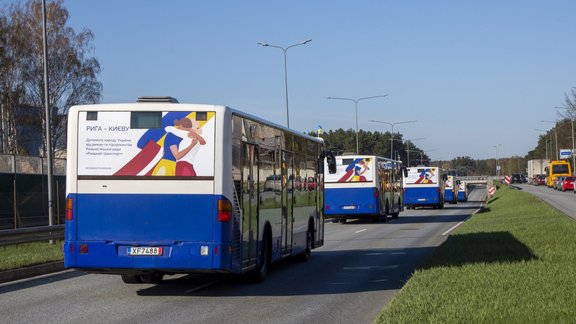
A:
x: 451, y: 190
x: 462, y: 191
x: 424, y: 186
x: 158, y: 187
x: 363, y: 187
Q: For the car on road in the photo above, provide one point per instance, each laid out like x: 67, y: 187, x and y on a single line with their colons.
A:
x: 567, y: 184
x: 539, y: 180
x: 516, y: 178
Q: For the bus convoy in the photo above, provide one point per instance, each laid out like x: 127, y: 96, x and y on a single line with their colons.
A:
x: 159, y: 187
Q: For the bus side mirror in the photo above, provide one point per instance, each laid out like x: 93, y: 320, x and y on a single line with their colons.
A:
x: 444, y: 177
x: 331, y: 161
x: 405, y: 171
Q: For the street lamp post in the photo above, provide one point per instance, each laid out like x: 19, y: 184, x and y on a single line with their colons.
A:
x: 408, y: 141
x: 392, y: 133
x: 571, y: 113
x: 497, y: 159
x: 356, y: 109
x: 555, y: 137
x: 285, y: 49
x: 547, y: 139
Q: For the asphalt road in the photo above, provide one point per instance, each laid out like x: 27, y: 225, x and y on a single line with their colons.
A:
x: 348, y: 280
x: 563, y: 201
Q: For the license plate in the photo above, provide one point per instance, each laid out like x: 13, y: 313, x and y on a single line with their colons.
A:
x: 144, y: 250
x: 348, y: 207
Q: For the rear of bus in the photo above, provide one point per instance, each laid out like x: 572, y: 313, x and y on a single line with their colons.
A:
x: 424, y: 186
x: 143, y: 191
x: 557, y: 168
x: 351, y: 192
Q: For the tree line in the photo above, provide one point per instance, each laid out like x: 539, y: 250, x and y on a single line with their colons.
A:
x: 72, y: 75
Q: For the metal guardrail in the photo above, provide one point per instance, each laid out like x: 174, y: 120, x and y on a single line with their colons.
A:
x: 31, y: 234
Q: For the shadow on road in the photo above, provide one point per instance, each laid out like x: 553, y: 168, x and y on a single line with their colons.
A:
x: 327, y: 272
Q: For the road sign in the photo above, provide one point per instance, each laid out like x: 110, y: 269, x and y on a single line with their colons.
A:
x: 507, y: 180
x: 565, y: 154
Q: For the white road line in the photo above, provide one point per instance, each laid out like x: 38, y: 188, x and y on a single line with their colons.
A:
x: 454, y: 227
x: 360, y: 231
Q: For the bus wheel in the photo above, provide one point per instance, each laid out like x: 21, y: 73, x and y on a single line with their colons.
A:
x: 305, y: 256
x: 259, y: 274
x: 131, y: 279
x: 154, y: 278
x: 343, y: 221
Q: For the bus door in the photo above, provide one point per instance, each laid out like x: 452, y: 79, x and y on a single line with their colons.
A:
x: 287, y: 201
x: 249, y: 203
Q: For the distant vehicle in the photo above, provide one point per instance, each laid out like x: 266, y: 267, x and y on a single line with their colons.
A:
x: 516, y: 178
x: 567, y: 184
x: 462, y: 191
x: 451, y: 190
x: 158, y: 187
x: 536, y: 167
x: 539, y: 180
x: 363, y: 187
x: 557, y: 168
x: 424, y: 186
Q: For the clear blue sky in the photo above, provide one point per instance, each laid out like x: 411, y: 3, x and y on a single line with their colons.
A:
x: 474, y: 74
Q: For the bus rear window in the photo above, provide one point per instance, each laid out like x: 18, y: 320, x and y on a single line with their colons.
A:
x: 145, y: 119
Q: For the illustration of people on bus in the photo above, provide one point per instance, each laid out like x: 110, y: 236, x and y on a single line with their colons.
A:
x: 179, y: 142
x: 355, y: 171
x: 426, y: 176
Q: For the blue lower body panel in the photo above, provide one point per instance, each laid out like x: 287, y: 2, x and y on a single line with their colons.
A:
x: 450, y: 197
x: 351, y: 203
x: 430, y: 196
x: 104, y: 227
x: 462, y: 196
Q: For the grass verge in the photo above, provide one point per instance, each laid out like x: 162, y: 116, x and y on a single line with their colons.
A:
x: 512, y: 263
x: 22, y: 255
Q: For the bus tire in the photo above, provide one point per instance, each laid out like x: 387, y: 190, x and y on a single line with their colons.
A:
x: 305, y: 256
x: 259, y: 274
x: 131, y: 279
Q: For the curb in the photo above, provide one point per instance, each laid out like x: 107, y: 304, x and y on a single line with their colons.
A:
x: 32, y: 271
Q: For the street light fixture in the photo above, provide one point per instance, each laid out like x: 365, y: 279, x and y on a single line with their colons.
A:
x: 285, y: 49
x: 392, y: 133
x: 547, y: 139
x: 571, y: 114
x: 555, y: 137
x: 356, y: 109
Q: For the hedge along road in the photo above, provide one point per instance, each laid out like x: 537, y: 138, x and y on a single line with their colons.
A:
x: 350, y: 279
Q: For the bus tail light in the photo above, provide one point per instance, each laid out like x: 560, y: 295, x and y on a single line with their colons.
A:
x: 69, y: 208
x: 376, y: 192
x: 224, y: 210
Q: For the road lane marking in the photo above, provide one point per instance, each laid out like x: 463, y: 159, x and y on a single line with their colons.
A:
x: 360, y: 231
x: 454, y: 227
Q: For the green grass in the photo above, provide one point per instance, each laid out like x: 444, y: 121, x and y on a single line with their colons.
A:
x: 22, y: 255
x: 513, y: 263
